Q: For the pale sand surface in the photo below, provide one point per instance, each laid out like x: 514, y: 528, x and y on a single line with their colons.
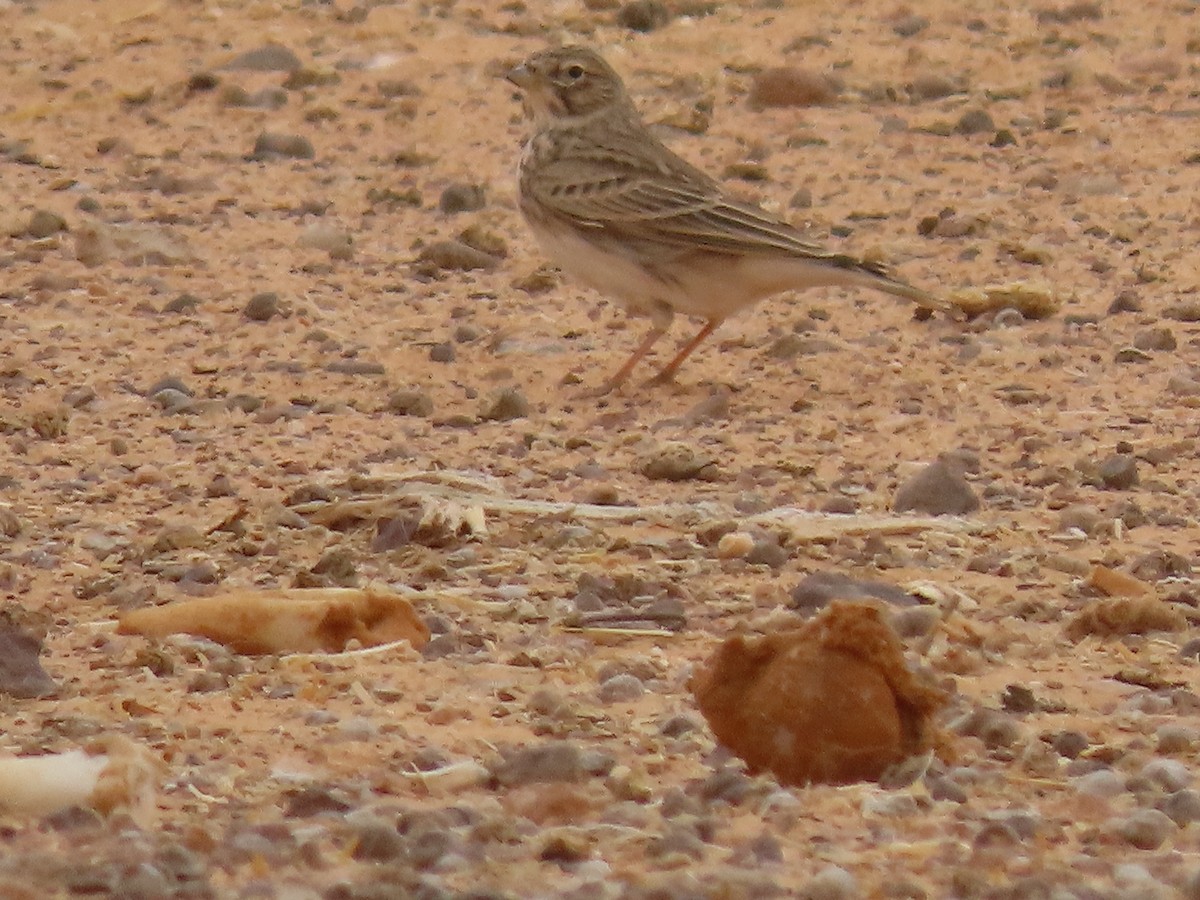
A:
x: 1100, y: 189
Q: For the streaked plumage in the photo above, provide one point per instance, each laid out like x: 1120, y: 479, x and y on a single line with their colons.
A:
x: 612, y: 206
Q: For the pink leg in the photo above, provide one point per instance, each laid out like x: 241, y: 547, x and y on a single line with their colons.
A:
x: 623, y: 373
x: 668, y: 372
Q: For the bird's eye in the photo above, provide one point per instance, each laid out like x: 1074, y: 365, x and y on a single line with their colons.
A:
x: 575, y: 72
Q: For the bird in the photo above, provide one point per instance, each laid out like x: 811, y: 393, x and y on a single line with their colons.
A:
x: 616, y: 209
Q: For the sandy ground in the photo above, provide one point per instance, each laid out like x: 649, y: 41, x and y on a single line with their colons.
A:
x: 148, y: 403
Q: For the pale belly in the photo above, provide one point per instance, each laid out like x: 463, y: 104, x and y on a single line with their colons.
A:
x: 707, y: 286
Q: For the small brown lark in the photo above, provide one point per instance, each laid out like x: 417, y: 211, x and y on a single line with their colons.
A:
x: 613, y: 207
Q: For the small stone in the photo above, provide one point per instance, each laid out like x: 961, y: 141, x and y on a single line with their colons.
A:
x: 1183, y: 386
x: 1183, y: 807
x: 831, y: 883
x: 377, y: 840
x: 1175, y: 738
x: 676, y: 461
x: 1146, y: 829
x: 1118, y: 472
x: 459, y: 198
x: 975, y: 121
x: 339, y: 244
x: 184, y: 303
x: 1188, y: 311
x: 643, y: 15
x: 262, y: 307
x: 267, y: 58
x: 1069, y: 744
x: 410, y: 402
x: 940, y: 489
x: 1155, y: 339
x: 454, y: 256
x: 734, y: 545
x: 21, y: 672
x: 274, y: 145
x: 547, y: 762
x: 44, y: 223
x: 1169, y: 774
x: 1103, y: 783
x: 789, y: 86
x: 996, y: 729
x: 504, y: 405
x: 909, y: 26
x: 442, y: 352
x: 933, y: 86
x: 621, y: 688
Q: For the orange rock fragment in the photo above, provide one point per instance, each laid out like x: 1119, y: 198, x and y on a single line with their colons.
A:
x: 1125, y: 615
x: 1115, y: 583
x: 831, y: 701
x: 286, y: 621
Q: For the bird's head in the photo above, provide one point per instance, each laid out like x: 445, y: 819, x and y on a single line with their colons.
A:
x: 567, y: 83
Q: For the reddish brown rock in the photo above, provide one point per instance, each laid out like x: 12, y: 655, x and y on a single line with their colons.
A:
x: 831, y: 701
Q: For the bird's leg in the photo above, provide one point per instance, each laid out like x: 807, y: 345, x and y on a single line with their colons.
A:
x: 669, y: 370
x: 623, y: 373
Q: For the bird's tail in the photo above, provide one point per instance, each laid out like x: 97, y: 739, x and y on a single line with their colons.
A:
x: 878, y: 276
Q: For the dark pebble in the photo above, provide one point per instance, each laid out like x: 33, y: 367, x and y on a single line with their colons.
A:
x: 313, y: 801
x: 815, y: 591
x: 459, y: 198
x: 272, y: 145
x: 1069, y: 744
x: 411, y: 401
x: 643, y: 15
x: 21, y: 672
x: 1118, y: 472
x: 939, y: 489
x: 262, y: 307
x: 267, y: 58
x: 550, y: 762
x: 1183, y: 807
x: 975, y: 121
x: 377, y: 840
x: 908, y: 26
x: 44, y: 223
x: 184, y: 303
x: 1155, y: 339
x: 504, y: 405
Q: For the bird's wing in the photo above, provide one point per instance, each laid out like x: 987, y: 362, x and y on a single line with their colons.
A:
x: 669, y: 204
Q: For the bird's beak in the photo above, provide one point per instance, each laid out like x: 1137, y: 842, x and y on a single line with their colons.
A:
x: 520, y: 76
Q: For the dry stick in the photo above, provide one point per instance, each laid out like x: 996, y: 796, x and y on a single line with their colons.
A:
x: 464, y: 488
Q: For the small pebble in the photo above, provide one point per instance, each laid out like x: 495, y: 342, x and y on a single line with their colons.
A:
x: 643, y: 15
x: 262, y: 307
x: 1169, y: 774
x: 267, y: 58
x: 1175, y: 738
x: 1145, y: 829
x: 1103, y: 783
x: 975, y: 121
x: 940, y: 489
x: 1118, y: 472
x: 622, y: 688
x: 455, y: 256
x: 784, y: 87
x: 410, y: 402
x: 272, y: 145
x: 459, y: 198
x: 44, y: 223
x: 1183, y: 807
x: 504, y: 405
x: 734, y: 545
